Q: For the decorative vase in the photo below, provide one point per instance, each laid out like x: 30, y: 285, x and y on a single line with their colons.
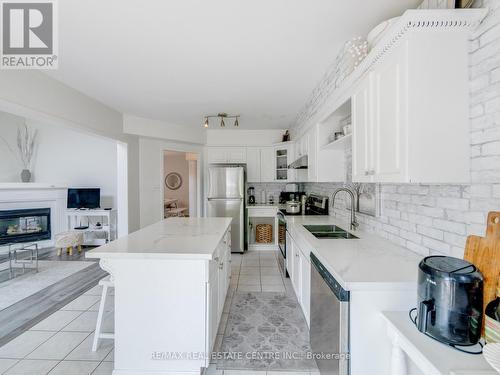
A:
x: 25, y: 175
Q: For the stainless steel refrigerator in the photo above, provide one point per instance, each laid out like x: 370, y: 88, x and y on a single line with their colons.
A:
x: 226, y: 198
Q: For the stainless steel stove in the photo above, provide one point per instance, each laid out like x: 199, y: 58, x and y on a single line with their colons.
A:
x: 315, y: 205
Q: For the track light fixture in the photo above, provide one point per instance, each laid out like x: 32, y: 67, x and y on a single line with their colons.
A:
x: 222, y: 116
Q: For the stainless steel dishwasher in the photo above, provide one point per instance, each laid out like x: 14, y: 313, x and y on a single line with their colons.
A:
x: 329, y: 321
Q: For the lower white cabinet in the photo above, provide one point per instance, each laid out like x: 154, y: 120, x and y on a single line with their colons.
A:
x: 305, y: 286
x: 218, y: 284
x: 296, y: 271
x: 213, y: 304
x: 299, y: 269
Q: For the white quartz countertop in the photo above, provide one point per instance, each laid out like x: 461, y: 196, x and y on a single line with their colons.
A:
x: 172, y: 238
x: 369, y: 262
x: 434, y: 358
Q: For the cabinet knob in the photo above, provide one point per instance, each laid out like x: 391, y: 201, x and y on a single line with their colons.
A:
x: 216, y: 259
x: 367, y: 173
x: 221, y: 265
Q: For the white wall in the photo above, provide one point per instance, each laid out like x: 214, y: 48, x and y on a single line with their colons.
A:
x: 63, y: 157
x: 159, y: 129
x: 32, y: 94
x: 176, y: 162
x: 151, y: 176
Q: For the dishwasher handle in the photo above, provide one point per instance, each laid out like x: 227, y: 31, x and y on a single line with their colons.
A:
x: 341, y: 294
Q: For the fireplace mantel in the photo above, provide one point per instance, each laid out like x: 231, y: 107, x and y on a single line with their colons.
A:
x: 37, y: 195
x: 28, y: 185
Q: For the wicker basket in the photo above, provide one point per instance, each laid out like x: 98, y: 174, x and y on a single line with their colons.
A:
x: 264, y: 233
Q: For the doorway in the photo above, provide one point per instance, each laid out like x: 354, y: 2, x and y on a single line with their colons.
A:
x: 180, y: 184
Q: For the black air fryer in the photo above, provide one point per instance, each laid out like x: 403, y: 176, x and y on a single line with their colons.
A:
x: 450, y: 300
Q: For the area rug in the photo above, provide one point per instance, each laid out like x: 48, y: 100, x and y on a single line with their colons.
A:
x: 49, y: 273
x: 266, y: 331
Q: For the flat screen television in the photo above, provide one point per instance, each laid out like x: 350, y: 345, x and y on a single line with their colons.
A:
x: 84, y: 198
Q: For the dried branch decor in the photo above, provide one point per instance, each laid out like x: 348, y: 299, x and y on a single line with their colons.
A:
x: 26, y: 138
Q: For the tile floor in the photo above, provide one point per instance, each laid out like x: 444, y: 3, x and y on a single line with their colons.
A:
x: 61, y: 344
x: 257, y: 271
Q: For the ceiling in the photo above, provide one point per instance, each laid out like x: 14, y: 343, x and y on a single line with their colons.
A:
x: 178, y: 60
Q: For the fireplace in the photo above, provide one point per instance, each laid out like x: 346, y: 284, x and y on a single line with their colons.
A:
x: 27, y: 225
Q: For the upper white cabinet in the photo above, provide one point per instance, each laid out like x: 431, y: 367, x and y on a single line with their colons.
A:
x: 410, y: 113
x: 283, y: 156
x: 260, y: 164
x: 253, y: 164
x: 227, y: 155
x: 267, y: 164
x: 362, y: 147
x: 379, y: 113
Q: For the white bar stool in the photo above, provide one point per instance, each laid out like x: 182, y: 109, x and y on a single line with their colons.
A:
x: 106, y: 283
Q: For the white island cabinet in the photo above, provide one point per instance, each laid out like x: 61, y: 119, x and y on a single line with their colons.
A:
x: 171, y: 280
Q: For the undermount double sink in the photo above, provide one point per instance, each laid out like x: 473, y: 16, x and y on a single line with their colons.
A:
x: 329, y: 232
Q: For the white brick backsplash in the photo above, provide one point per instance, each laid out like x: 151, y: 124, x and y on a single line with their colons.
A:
x: 411, y: 236
x: 430, y: 232
x: 439, y: 246
x: 480, y: 82
x: 392, y: 213
x: 413, y: 189
x: 419, y: 219
x: 496, y: 191
x: 490, y: 35
x: 480, y: 191
x: 492, y: 105
x: 475, y: 151
x: 430, y: 211
x: 406, y: 225
x: 485, y: 122
x: 446, y: 191
x: 450, y: 226
x: 453, y: 203
x: 424, y: 200
x: 390, y: 228
x: 436, y: 218
x: 466, y: 217
x: 486, y: 162
x: 485, y: 176
x: 492, y: 148
x: 455, y: 239
x: 477, y: 111
x: 495, y: 75
x: 483, y: 204
x: 416, y: 248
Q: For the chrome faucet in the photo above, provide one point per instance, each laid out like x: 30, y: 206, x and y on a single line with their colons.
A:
x: 354, y: 222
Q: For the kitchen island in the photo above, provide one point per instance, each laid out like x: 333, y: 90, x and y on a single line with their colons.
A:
x: 171, y: 280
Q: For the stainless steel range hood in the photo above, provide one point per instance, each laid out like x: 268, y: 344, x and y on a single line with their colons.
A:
x: 300, y: 163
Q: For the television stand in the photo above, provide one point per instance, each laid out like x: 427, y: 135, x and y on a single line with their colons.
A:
x: 107, y: 218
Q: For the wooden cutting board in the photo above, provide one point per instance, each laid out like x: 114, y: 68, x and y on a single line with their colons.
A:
x: 484, y: 253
